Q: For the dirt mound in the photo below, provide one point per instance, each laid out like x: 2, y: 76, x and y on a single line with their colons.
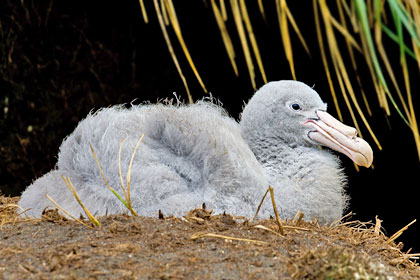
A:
x: 198, y: 246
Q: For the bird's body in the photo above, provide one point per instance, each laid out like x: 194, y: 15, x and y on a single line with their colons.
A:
x: 195, y: 154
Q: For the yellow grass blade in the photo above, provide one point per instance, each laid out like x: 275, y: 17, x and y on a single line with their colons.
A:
x: 282, y: 17
x: 415, y: 10
x: 225, y: 36
x: 74, y: 192
x: 261, y: 8
x: 271, y: 190
x: 119, y: 169
x: 413, y: 122
x: 275, y: 210
x: 268, y: 229
x: 240, y: 28
x: 259, y: 206
x: 324, y: 60
x: 171, y: 50
x: 353, y: 61
x: 365, y: 101
x: 296, y: 28
x: 143, y: 11
x: 252, y: 39
x: 201, y: 235
x: 380, y: 92
x: 342, y: 74
x: 351, y: 53
x: 164, y: 13
x: 223, y: 10
x: 398, y: 233
x: 105, y: 180
x: 348, y: 44
x: 351, y: 14
x: 355, y: 102
x: 128, y: 198
x: 100, y: 168
x: 175, y: 24
x: 384, y: 56
x: 66, y: 212
x: 345, y: 33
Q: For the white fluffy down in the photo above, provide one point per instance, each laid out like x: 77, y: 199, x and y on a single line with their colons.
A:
x: 191, y: 154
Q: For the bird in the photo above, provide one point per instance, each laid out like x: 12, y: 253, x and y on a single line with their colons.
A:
x: 192, y: 154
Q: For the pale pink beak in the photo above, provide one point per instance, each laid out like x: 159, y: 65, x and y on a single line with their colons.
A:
x: 330, y: 132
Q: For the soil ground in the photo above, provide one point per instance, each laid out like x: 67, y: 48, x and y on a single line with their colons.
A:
x: 197, y: 246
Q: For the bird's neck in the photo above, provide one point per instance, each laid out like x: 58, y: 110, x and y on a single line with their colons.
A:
x: 284, y: 157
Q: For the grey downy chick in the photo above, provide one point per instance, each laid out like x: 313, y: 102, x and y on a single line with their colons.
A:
x: 194, y: 154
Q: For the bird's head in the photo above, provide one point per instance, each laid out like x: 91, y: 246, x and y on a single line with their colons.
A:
x: 292, y: 113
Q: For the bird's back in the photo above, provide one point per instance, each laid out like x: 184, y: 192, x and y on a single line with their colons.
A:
x: 190, y: 154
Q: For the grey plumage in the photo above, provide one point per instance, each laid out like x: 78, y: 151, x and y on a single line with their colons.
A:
x: 196, y: 153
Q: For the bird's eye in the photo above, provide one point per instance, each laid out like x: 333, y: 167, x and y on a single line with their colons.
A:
x: 295, y: 107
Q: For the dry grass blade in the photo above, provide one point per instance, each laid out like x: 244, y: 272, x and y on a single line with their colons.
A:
x: 201, y: 235
x: 297, y: 30
x: 299, y: 220
x: 143, y: 11
x: 343, y: 30
x: 336, y: 58
x: 370, y: 54
x: 414, y: 256
x: 384, y: 57
x: 342, y: 75
x: 8, y: 207
x: 164, y: 13
x: 415, y: 11
x: 270, y: 189
x: 324, y: 59
x: 171, y: 50
x: 378, y: 225
x: 297, y: 228
x: 128, y: 198
x: 223, y: 9
x: 259, y: 206
x: 119, y: 170
x: 338, y: 221
x: 351, y: 53
x: 240, y: 28
x: 268, y: 229
x: 412, y: 118
x: 225, y: 35
x: 276, y: 233
x: 380, y: 91
x: 74, y: 192
x: 298, y: 213
x: 285, y: 36
x: 398, y: 233
x: 252, y: 39
x: 275, y: 210
x: 126, y: 190
x: 175, y: 24
x: 261, y: 8
x: 66, y: 212
x: 103, y: 175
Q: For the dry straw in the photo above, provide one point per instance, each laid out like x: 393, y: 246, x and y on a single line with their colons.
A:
x: 76, y: 196
x: 126, y: 189
x: 202, y: 235
x: 273, y: 201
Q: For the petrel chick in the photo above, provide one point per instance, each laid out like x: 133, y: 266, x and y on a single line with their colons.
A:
x: 195, y: 154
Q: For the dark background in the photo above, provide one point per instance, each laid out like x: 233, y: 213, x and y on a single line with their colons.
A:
x: 60, y: 59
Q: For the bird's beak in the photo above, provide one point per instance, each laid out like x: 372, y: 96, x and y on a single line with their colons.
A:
x: 330, y: 132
